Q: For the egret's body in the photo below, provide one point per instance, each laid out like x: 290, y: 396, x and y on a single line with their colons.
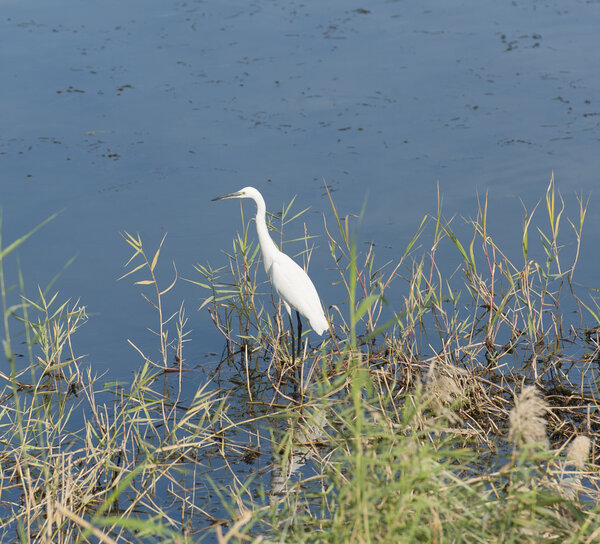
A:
x: 291, y: 282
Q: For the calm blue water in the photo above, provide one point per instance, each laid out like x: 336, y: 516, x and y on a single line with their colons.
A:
x: 133, y: 115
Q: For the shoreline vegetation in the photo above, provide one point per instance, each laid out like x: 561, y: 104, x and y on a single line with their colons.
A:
x: 468, y: 414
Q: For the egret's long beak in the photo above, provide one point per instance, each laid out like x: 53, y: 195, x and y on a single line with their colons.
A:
x: 232, y: 195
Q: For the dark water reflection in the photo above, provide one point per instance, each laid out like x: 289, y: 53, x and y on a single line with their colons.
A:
x: 131, y: 116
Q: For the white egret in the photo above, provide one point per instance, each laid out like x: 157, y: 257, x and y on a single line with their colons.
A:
x: 291, y: 282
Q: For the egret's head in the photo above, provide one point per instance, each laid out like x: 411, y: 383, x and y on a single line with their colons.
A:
x: 246, y: 192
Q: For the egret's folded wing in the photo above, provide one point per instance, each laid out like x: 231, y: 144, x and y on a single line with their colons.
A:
x: 295, y: 288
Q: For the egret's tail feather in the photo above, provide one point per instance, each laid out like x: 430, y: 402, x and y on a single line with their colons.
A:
x: 319, y: 324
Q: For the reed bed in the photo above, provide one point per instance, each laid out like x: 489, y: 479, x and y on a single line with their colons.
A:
x: 467, y: 412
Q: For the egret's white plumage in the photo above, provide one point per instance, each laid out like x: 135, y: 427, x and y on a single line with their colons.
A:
x: 291, y: 282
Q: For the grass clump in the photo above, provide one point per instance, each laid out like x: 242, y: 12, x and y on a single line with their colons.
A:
x: 85, y: 462
x: 462, y: 410
x: 443, y: 420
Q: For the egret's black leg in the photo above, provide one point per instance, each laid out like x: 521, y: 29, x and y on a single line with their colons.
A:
x: 299, y: 333
x: 293, y: 341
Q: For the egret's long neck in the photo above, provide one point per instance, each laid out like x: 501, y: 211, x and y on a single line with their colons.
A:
x: 267, y: 246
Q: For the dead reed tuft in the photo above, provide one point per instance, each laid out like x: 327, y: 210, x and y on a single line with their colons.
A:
x: 579, y: 451
x: 444, y: 389
x: 570, y: 479
x: 527, y: 422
